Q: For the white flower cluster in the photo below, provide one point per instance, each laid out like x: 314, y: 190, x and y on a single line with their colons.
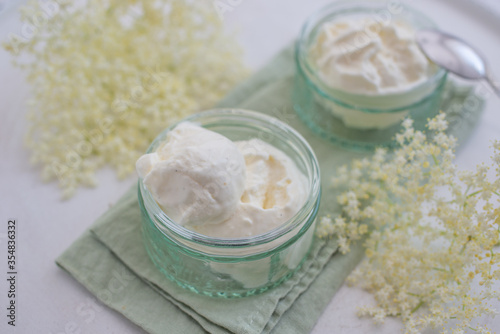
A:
x: 108, y: 76
x: 430, y: 246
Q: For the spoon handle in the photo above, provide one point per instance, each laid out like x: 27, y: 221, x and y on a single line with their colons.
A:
x: 494, y: 85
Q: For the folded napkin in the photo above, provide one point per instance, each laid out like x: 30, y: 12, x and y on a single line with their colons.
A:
x: 111, y: 262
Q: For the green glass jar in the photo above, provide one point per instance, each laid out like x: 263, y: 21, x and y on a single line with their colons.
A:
x: 361, y: 121
x: 242, y: 266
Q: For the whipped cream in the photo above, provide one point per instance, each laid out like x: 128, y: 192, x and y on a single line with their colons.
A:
x: 360, y: 56
x: 197, y: 176
x: 370, y: 65
x: 274, y: 191
x: 220, y: 188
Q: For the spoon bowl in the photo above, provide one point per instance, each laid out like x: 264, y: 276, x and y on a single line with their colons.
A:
x: 455, y: 55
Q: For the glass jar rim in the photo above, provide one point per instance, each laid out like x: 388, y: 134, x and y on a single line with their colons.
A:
x: 316, y: 19
x: 309, y: 207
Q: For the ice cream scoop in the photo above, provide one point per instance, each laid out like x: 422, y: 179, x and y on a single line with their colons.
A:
x: 197, y: 176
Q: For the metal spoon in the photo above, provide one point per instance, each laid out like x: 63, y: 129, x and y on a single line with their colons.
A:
x: 455, y: 55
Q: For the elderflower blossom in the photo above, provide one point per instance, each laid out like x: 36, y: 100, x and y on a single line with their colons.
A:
x: 109, y: 75
x: 430, y: 251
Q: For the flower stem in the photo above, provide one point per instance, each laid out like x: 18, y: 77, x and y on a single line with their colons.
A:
x: 436, y: 161
x: 475, y: 193
x: 417, y: 307
x: 469, y: 238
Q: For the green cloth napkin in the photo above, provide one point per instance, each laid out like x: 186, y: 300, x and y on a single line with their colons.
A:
x: 111, y: 262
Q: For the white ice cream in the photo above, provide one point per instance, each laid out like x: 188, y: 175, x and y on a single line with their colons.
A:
x: 366, y: 58
x: 360, y: 56
x: 197, y: 176
x: 219, y: 188
x: 275, y: 189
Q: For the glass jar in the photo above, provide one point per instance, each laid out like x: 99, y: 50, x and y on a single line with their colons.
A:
x: 361, y: 121
x: 242, y: 266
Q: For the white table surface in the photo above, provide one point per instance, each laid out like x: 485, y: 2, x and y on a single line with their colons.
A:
x: 49, y: 299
